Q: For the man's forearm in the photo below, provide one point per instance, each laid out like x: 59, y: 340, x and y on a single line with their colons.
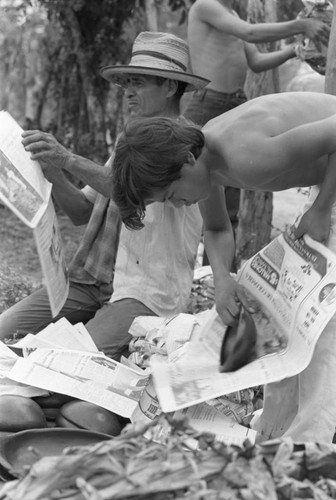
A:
x: 44, y: 148
x: 96, y: 176
x: 271, y: 32
x: 220, y: 249
x: 270, y: 60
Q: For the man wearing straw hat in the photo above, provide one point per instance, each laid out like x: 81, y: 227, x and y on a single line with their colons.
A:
x: 110, y: 259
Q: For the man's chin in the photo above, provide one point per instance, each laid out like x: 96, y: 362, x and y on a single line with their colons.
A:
x: 133, y: 113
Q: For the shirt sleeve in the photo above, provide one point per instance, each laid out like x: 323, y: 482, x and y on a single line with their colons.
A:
x: 89, y: 193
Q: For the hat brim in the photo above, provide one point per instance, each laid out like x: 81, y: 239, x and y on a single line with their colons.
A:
x: 117, y: 75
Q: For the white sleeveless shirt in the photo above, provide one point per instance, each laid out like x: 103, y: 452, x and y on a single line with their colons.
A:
x: 155, y: 265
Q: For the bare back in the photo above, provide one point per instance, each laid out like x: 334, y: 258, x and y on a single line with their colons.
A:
x: 214, y: 53
x: 272, y: 143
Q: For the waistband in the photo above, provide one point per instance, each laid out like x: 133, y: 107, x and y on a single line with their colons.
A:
x: 204, y: 92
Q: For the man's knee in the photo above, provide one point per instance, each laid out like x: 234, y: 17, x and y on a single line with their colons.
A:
x: 26, y: 316
x: 109, y: 328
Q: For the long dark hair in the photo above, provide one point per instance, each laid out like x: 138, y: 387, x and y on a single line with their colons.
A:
x: 149, y: 155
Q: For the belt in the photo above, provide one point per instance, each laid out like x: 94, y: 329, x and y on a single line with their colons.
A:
x: 203, y: 92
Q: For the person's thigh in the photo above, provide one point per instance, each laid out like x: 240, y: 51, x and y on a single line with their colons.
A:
x: 33, y: 313
x: 109, y: 328
x: 280, y: 407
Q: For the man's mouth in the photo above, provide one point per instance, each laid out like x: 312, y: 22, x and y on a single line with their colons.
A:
x: 131, y: 104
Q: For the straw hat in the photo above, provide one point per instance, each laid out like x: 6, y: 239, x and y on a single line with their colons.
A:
x: 156, y: 54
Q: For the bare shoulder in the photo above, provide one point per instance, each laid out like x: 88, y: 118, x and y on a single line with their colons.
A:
x: 272, y: 114
x: 206, y: 8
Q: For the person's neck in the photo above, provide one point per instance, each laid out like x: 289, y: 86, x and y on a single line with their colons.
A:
x: 227, y: 3
x: 171, y: 111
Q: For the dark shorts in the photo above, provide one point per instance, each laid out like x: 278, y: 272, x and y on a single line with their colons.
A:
x: 206, y: 104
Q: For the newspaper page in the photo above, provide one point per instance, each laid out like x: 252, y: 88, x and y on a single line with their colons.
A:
x: 295, y: 281
x: 8, y: 386
x: 51, y: 360
x: 92, y: 377
x: 27, y: 193
x: 50, y: 250
x: 61, y: 334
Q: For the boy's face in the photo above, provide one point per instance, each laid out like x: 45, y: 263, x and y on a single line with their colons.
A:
x: 193, y: 186
x: 144, y: 96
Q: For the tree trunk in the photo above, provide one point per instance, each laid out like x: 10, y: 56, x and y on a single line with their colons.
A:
x: 95, y: 109
x: 151, y: 15
x: 256, y: 207
x: 330, y: 80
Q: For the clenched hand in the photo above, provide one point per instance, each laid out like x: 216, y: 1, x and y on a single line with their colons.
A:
x: 45, y: 149
x: 230, y: 296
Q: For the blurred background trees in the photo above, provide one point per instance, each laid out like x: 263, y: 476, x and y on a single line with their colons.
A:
x: 50, y: 55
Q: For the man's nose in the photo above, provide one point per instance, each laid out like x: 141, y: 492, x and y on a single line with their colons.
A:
x: 129, y: 91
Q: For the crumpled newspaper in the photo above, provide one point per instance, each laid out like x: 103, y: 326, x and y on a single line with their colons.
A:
x: 305, y: 48
x: 202, y: 296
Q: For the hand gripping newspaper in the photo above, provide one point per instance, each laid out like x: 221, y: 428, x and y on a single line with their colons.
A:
x: 27, y: 193
x: 294, y: 282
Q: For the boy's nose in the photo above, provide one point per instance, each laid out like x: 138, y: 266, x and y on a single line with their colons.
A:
x: 178, y: 203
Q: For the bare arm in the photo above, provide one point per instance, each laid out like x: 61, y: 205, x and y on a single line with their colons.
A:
x: 51, y: 154
x: 220, y: 248
x: 317, y: 220
x: 71, y: 199
x: 218, y: 16
x: 263, y: 61
x: 311, y: 145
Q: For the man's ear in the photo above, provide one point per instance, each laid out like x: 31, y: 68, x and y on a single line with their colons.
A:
x: 172, y: 87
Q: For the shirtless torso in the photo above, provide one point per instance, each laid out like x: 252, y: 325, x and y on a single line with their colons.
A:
x: 273, y: 142
x: 215, y: 53
x: 270, y: 143
x: 222, y: 45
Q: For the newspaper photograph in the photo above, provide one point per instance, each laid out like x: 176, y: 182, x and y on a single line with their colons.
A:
x: 23, y: 187
x: 27, y: 193
x: 294, y: 281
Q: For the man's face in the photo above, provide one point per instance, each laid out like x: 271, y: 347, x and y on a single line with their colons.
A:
x: 144, y: 96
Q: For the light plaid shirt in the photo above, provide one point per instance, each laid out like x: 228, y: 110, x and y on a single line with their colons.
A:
x: 95, y: 258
